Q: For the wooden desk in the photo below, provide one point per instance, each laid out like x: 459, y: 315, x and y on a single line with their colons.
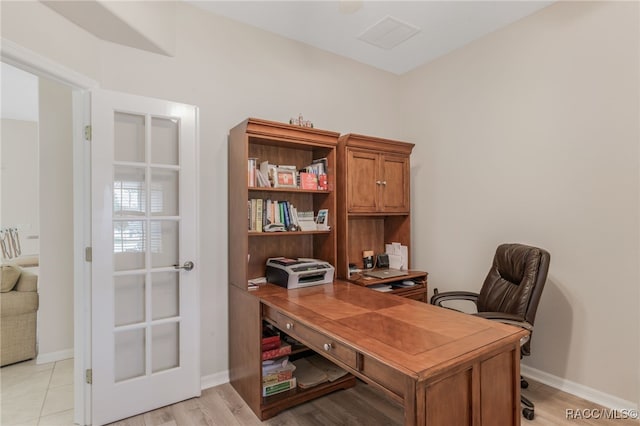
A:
x: 445, y: 367
x: 417, y: 292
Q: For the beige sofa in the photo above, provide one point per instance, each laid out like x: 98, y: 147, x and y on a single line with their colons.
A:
x: 19, y: 306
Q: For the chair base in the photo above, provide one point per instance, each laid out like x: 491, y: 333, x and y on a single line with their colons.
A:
x: 528, y: 408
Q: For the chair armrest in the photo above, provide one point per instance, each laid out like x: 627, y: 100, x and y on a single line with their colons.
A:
x: 506, y: 319
x: 438, y: 298
x: 28, y: 281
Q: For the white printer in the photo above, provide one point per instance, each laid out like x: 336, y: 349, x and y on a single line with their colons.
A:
x: 298, y: 273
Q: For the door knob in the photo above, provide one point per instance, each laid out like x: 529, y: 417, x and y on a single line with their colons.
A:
x: 188, y: 265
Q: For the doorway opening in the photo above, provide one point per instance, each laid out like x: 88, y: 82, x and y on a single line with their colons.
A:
x: 37, y: 214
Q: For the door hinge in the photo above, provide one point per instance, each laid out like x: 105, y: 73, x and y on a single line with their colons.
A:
x: 88, y: 254
x: 88, y: 375
x: 87, y: 132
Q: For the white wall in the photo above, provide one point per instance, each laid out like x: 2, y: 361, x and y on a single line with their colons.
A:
x: 19, y: 192
x: 55, y: 280
x: 531, y: 135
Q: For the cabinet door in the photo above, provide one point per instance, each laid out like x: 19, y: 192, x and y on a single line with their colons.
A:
x: 395, y: 184
x: 362, y: 189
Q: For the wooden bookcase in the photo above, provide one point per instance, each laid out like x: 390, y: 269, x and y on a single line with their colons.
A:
x: 374, y: 206
x: 279, y: 144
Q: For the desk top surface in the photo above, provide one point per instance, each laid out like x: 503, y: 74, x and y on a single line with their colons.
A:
x: 414, y: 338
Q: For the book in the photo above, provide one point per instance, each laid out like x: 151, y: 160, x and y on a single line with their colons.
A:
x: 258, y: 224
x: 277, y: 370
x: 262, y: 179
x: 249, y: 214
x: 270, y: 339
x: 287, y: 218
x: 253, y: 209
x: 270, y: 343
x: 284, y: 349
x: 268, y: 170
x: 308, y: 181
x: 293, y: 214
x: 306, y: 221
x: 321, y: 165
x: 322, y: 182
x: 251, y: 172
x: 278, y: 387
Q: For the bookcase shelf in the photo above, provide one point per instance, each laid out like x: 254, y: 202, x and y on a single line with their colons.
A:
x: 286, y: 233
x: 285, y: 190
x: 272, y: 405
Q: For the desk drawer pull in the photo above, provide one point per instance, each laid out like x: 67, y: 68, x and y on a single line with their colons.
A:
x: 327, y: 346
x: 289, y: 326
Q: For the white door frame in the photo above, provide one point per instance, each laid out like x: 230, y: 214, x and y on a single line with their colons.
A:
x: 20, y: 57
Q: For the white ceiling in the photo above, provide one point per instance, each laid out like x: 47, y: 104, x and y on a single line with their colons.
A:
x: 335, y: 26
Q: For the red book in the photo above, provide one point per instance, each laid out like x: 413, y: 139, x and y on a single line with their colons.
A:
x: 284, y: 349
x: 322, y: 182
x: 308, y: 181
x: 270, y: 342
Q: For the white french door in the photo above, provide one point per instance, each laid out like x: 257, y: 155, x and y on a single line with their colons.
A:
x: 145, y: 350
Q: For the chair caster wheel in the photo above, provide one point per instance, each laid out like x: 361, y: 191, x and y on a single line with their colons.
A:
x: 524, y: 384
x: 527, y: 413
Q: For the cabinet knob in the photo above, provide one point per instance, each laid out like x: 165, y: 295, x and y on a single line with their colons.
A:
x: 289, y: 326
x: 384, y: 182
x: 327, y: 346
x: 378, y: 182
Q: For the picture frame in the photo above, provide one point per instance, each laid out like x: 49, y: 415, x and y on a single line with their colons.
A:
x: 285, y: 178
x: 322, y: 220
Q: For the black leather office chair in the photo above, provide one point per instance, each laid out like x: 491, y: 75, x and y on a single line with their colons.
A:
x: 510, y: 294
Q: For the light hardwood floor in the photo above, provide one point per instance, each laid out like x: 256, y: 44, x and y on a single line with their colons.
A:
x: 360, y: 405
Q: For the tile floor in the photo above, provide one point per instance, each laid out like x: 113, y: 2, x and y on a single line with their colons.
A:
x: 37, y: 395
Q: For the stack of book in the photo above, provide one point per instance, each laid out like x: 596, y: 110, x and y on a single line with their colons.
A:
x: 263, y: 212
x: 277, y: 372
x: 277, y: 376
x: 316, y: 175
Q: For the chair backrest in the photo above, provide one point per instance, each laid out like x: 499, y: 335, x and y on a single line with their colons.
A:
x: 515, y: 282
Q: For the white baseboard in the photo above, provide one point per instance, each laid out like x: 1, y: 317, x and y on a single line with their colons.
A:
x: 54, y: 356
x: 581, y: 391
x: 212, y: 380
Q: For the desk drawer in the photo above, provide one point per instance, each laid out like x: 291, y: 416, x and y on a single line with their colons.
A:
x: 317, y: 341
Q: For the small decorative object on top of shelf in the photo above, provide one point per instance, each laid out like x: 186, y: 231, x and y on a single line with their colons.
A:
x: 300, y: 121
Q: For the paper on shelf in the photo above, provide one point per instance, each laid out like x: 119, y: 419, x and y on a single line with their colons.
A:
x: 397, y: 249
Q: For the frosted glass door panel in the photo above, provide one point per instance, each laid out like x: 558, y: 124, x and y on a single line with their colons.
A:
x: 164, y: 141
x: 129, y: 137
x: 129, y: 242
x: 165, y: 344
x: 129, y: 191
x: 165, y: 294
x: 129, y: 300
x: 164, y: 192
x: 129, y: 354
x: 164, y: 243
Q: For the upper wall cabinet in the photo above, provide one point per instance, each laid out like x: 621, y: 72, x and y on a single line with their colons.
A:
x: 376, y: 175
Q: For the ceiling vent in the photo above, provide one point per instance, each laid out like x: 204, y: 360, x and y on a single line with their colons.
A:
x: 388, y: 33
